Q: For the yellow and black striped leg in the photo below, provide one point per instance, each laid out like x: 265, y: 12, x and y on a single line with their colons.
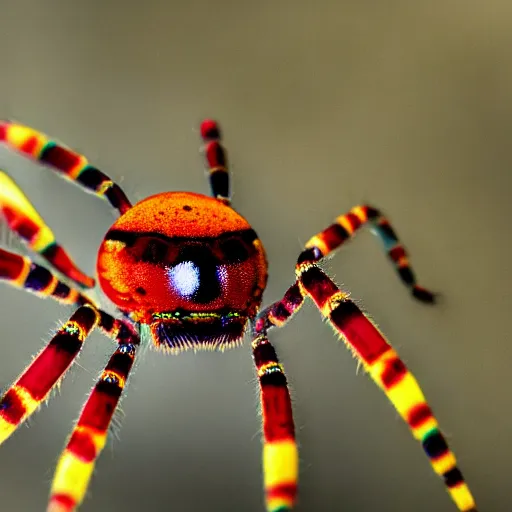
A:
x: 35, y: 383
x: 216, y: 160
x: 280, y: 453
x: 23, y: 219
x: 63, y: 160
x: 89, y: 436
x: 346, y: 227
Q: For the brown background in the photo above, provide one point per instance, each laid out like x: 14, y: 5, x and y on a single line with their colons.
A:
x: 406, y: 105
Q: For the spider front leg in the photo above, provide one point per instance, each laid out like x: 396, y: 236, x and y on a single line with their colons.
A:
x: 43, y: 374
x: 74, y: 166
x: 89, y: 436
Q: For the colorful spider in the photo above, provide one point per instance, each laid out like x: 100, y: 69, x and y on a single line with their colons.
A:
x: 188, y: 272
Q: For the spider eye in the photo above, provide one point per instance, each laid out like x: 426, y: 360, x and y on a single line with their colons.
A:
x: 195, y: 275
x: 185, y: 278
x: 155, y: 251
x: 233, y: 251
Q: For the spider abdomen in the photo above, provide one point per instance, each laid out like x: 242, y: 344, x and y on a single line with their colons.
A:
x: 188, y: 266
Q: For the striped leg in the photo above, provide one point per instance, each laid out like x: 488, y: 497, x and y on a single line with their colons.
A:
x: 216, y: 160
x: 280, y: 454
x: 88, y: 438
x: 345, y: 228
x: 44, y: 373
x: 21, y: 272
x: 26, y: 222
x: 389, y: 372
x: 73, y: 166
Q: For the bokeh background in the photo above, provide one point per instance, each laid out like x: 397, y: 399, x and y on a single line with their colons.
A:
x: 406, y: 105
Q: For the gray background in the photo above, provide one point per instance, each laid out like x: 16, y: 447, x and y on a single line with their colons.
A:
x: 406, y: 105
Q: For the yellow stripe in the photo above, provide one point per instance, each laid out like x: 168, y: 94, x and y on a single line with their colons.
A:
x: 17, y: 135
x: 6, y: 429
x: 29, y: 402
x: 360, y: 213
x: 43, y: 239
x: 279, y: 503
x: 20, y: 280
x: 333, y: 301
x: 462, y: 497
x: 344, y: 223
x: 444, y: 463
x: 317, y: 241
x: 72, y: 476
x: 263, y: 369
x: 280, y: 463
x: 404, y: 395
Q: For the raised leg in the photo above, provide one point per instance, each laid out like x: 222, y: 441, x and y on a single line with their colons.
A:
x: 23, y: 219
x: 280, y: 454
x: 66, y: 162
x: 89, y: 436
x: 383, y: 364
x: 346, y: 227
x: 44, y: 373
x: 216, y: 159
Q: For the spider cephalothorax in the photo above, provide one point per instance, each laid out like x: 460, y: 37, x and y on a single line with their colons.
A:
x: 188, y: 266
x: 192, y: 271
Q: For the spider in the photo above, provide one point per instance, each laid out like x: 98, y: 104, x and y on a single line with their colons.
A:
x: 187, y: 271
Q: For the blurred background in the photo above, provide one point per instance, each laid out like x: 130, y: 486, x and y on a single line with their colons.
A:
x: 407, y: 106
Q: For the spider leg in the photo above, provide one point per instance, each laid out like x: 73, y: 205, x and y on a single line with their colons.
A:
x: 21, y: 272
x: 63, y: 160
x: 383, y: 364
x: 216, y: 160
x: 346, y: 227
x: 23, y: 219
x: 280, y: 453
x: 44, y: 373
x: 47, y: 369
x: 88, y: 438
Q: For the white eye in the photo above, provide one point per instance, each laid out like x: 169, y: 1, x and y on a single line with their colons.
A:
x: 222, y: 274
x: 184, y: 278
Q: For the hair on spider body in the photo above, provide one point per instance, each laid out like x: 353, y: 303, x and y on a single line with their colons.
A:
x: 187, y: 265
x: 188, y: 271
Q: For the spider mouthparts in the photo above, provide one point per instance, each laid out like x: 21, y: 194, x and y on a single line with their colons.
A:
x: 178, y: 331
